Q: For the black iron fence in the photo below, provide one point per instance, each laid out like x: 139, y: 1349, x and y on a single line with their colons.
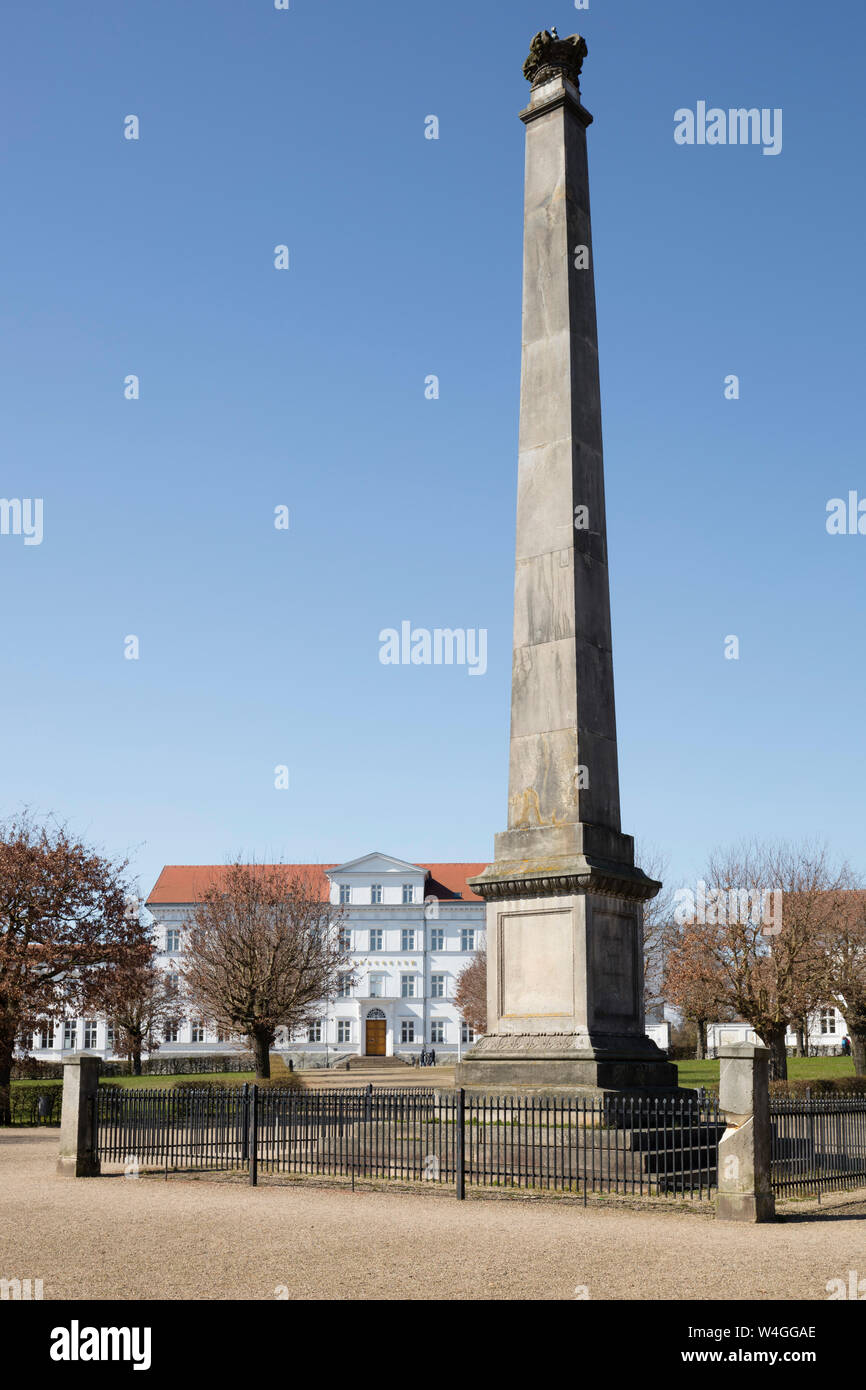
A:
x: 32, y: 1105
x: 639, y: 1146
x: 818, y: 1144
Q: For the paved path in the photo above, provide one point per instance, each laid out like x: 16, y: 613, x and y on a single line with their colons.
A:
x: 119, y: 1238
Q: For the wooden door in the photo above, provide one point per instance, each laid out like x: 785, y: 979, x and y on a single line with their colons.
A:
x: 375, y: 1037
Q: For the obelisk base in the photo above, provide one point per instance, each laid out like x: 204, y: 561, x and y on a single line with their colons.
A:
x: 558, y: 1063
x: 565, y: 981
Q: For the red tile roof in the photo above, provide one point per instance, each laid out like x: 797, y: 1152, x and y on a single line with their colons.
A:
x: 185, y: 883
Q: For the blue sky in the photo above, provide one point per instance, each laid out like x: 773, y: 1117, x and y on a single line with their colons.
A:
x: 306, y: 388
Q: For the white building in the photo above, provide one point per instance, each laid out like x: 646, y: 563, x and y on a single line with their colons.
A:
x: 411, y: 929
x: 827, y: 1028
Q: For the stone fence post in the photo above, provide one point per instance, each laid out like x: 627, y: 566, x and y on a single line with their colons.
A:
x: 78, y: 1153
x: 745, y: 1192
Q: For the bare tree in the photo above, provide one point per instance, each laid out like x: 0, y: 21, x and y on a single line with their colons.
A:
x: 138, y: 999
x: 758, y: 939
x: 470, y: 995
x: 693, y: 980
x: 63, y: 926
x: 843, y: 939
x: 658, y: 914
x: 263, y: 951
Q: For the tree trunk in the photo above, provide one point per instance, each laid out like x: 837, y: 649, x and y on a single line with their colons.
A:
x: 858, y: 1050
x: 136, y: 1058
x: 5, y: 1083
x: 7, y: 1049
x: 800, y: 1049
x: 262, y: 1049
x: 775, y: 1040
x: 700, y: 1039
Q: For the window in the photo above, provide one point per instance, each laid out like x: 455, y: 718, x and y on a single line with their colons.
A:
x: 375, y: 892
x: 377, y: 986
x: 344, y: 987
x: 376, y: 939
x: 314, y: 1032
x: 828, y: 1020
x: 46, y: 1035
x: 197, y: 1031
x: 89, y: 1034
x: 344, y: 1030
x: 109, y: 1039
x: 437, y: 986
x: 407, y: 939
x: 407, y: 986
x: 467, y: 938
x: 172, y: 940
x: 345, y: 893
x: 70, y: 1032
x: 467, y: 1034
x: 437, y: 938
x: 407, y: 1030
x: 345, y: 939
x: 408, y: 892
x: 437, y: 1030
x: 170, y: 1034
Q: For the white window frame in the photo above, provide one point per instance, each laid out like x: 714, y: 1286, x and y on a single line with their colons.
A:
x: 376, y: 938
x: 407, y: 987
x: 437, y: 987
x: 375, y: 893
x: 408, y: 893
x: 467, y: 938
x: 407, y: 1030
x: 437, y: 938
x: 407, y: 939
x: 437, y: 1032
x: 344, y: 1030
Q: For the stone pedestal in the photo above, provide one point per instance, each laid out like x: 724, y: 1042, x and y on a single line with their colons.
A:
x: 745, y: 1190
x: 78, y: 1152
x: 565, y: 983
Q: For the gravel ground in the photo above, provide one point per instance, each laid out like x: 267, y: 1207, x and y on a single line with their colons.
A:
x: 114, y: 1237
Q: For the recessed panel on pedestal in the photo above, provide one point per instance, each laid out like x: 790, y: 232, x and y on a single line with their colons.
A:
x: 536, y: 955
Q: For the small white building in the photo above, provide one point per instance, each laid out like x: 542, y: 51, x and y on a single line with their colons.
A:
x: 826, y: 1030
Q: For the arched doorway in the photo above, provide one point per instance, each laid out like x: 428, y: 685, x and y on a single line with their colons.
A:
x: 374, y: 1037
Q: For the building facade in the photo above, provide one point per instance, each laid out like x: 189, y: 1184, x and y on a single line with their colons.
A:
x: 826, y: 1032
x: 410, y: 930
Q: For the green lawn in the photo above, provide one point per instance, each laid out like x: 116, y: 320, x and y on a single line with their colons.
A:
x: 691, y: 1074
x: 157, y: 1082
x: 799, y: 1068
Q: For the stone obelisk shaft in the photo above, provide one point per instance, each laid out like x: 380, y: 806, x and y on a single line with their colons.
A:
x: 564, y: 897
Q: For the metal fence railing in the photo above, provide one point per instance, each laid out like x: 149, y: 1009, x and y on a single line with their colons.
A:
x: 818, y: 1144
x: 654, y: 1147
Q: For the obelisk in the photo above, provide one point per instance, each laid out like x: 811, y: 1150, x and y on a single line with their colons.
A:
x: 564, y: 899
